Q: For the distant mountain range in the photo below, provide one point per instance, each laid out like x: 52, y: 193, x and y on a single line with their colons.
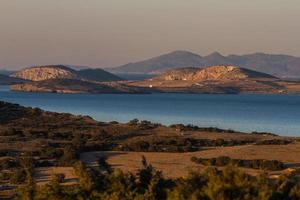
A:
x: 282, y: 66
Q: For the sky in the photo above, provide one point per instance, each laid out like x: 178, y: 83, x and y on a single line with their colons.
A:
x: 108, y: 33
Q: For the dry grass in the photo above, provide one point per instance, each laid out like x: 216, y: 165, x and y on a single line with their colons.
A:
x: 42, y: 175
x: 179, y: 164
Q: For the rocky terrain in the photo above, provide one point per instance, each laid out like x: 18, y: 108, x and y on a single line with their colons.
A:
x: 214, y: 80
x: 69, y: 86
x: 46, y: 72
x: 62, y: 79
x: 42, y: 73
x: 282, y: 66
x: 214, y: 73
x: 218, y: 79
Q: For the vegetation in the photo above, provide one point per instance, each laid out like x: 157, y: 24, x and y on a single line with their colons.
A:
x: 274, y: 142
x: 149, y: 184
x: 221, y: 161
x: 190, y: 127
x: 31, y: 138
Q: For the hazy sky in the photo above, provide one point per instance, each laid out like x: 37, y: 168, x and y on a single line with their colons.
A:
x: 111, y: 32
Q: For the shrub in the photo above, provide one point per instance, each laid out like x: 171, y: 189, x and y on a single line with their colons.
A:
x: 221, y: 161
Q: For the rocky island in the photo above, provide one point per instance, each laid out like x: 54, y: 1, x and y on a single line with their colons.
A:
x: 211, y: 80
x: 62, y: 79
x: 218, y: 79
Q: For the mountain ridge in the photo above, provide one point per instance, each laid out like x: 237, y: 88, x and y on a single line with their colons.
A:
x: 283, y: 66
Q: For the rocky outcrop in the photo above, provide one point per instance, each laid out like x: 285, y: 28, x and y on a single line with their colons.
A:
x: 215, y: 73
x: 218, y: 79
x: 42, y: 73
x: 46, y: 72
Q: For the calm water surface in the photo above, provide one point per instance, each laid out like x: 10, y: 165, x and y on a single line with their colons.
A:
x: 272, y: 113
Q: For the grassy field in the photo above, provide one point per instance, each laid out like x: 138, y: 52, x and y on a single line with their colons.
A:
x: 179, y: 164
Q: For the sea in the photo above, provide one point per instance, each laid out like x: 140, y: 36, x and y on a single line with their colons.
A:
x: 279, y: 114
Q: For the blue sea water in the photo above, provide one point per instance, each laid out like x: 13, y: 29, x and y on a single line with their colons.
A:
x: 278, y: 114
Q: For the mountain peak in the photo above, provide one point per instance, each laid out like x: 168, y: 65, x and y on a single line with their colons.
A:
x: 183, y: 52
x: 216, y: 55
x: 274, y: 64
x: 160, y: 63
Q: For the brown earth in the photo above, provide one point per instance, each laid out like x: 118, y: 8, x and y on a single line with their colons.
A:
x: 179, y: 164
x: 217, y: 79
x: 42, y: 175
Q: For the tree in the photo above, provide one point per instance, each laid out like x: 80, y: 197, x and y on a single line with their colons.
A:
x: 103, y: 165
x: 51, y: 191
x: 85, y: 178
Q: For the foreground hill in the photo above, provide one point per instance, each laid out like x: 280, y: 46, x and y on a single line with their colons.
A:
x: 73, y: 154
x: 218, y: 79
x: 283, y: 66
x: 42, y: 73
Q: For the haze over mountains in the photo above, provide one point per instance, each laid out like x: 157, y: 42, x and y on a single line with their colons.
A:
x: 282, y: 66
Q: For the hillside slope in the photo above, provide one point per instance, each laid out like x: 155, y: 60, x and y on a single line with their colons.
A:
x: 98, y: 75
x: 158, y: 64
x: 46, y: 72
x: 218, y: 73
x: 218, y: 79
x: 74, y: 86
